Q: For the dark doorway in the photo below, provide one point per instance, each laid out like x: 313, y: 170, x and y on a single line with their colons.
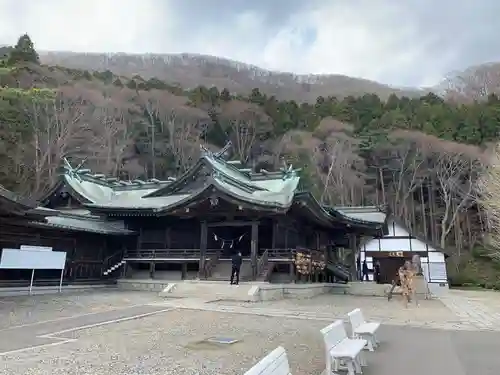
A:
x: 389, y: 268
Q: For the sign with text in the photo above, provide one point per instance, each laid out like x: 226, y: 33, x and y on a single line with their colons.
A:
x: 396, y: 254
x: 36, y: 248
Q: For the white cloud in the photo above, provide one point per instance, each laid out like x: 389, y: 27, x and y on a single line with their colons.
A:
x: 401, y: 43
x: 91, y: 25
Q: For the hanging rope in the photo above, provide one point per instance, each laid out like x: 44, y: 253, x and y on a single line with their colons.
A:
x: 231, y: 242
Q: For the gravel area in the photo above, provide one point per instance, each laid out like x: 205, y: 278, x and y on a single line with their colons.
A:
x: 168, y: 343
x: 430, y: 313
x: 29, y: 309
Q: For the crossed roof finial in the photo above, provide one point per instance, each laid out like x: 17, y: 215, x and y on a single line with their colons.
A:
x: 224, y: 150
x: 205, y: 151
x: 73, y: 172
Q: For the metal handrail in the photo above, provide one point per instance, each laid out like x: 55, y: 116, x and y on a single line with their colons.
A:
x: 112, y: 260
x: 211, y: 263
x: 262, y: 262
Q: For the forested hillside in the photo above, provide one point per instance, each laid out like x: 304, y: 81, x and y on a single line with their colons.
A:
x: 191, y: 70
x: 419, y: 156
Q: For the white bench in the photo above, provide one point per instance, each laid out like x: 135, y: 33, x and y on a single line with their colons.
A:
x: 275, y: 363
x: 364, y: 330
x: 341, y: 350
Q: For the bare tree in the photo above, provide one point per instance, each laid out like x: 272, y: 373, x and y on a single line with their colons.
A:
x: 475, y: 83
x: 111, y: 139
x: 244, y: 133
x: 489, y: 199
x: 406, y: 167
x: 455, y: 179
x: 183, y: 138
x: 56, y: 127
x: 337, y: 166
x: 151, y: 106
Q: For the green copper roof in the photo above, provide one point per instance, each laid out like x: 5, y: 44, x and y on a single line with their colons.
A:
x: 266, y: 189
x: 372, y: 214
x: 275, y: 191
x: 84, y: 223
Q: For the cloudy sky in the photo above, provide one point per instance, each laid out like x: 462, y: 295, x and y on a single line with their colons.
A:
x: 403, y: 43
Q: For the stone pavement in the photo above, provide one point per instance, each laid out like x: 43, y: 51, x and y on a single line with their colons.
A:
x: 138, y: 333
x: 479, y: 308
x: 431, y: 314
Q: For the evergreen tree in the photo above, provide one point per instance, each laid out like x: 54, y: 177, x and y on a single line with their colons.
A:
x: 25, y: 51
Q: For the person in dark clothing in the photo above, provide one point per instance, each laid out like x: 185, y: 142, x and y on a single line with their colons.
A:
x: 236, y: 261
x: 376, y: 272
x: 365, y: 271
x: 358, y: 268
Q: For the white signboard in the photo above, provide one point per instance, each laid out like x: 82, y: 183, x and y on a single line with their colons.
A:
x: 425, y: 271
x: 32, y: 259
x: 437, y: 272
x: 36, y: 248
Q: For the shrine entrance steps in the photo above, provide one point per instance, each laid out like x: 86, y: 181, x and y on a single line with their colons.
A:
x: 247, y: 291
x: 209, y: 290
x: 222, y: 271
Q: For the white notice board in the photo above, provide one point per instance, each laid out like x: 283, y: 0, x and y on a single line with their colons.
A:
x: 32, y: 259
x: 437, y: 272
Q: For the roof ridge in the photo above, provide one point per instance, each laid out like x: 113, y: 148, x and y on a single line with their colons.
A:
x: 115, y: 183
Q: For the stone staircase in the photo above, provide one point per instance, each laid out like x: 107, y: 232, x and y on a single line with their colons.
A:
x: 114, y: 267
x: 266, y: 272
x: 208, y: 291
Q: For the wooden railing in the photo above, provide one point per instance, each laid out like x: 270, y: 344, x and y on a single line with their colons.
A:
x: 168, y: 253
x: 262, y: 262
x: 277, y: 254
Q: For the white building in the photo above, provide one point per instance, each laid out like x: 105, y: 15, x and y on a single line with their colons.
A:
x: 399, y: 245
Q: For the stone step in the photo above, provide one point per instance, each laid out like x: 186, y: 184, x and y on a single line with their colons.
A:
x: 210, y: 290
x: 222, y: 271
x: 370, y: 288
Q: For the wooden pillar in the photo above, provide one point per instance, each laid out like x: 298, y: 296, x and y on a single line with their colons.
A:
x: 254, y: 248
x: 354, y: 249
x: 184, y: 271
x: 293, y: 277
x: 275, y: 234
x: 152, y: 270
x: 139, y: 239
x: 203, y: 248
x: 168, y: 239
x: 124, y: 270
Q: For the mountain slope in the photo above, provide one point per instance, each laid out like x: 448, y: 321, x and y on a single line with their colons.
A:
x: 190, y: 70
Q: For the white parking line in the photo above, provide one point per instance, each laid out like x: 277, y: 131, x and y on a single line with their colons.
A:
x: 63, y: 340
x: 71, y: 317
x: 139, y: 316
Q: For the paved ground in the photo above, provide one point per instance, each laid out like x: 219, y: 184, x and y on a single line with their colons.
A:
x: 139, y: 333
